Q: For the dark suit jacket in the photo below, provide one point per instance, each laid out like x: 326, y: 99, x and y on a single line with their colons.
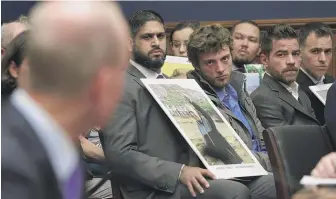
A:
x: 330, y: 113
x: 304, y: 81
x: 277, y: 107
x: 143, y: 148
x: 25, y: 167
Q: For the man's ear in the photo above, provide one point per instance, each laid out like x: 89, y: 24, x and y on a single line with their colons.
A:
x: 264, y: 60
x: 13, y: 70
x: 130, y: 44
x: 2, y: 51
x: 259, y: 50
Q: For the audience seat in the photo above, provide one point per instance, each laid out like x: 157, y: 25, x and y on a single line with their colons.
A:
x: 294, y: 151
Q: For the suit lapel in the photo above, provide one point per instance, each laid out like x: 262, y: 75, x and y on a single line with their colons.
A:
x: 132, y: 70
x: 285, y: 95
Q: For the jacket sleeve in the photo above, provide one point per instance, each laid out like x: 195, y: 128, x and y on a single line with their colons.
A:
x: 125, y: 159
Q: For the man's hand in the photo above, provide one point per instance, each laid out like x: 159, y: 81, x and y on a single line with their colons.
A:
x: 326, y: 167
x: 193, y: 178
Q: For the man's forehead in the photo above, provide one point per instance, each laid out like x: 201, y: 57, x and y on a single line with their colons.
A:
x: 314, y: 41
x: 152, y: 27
x: 285, y: 44
x: 246, y: 29
x: 215, y: 55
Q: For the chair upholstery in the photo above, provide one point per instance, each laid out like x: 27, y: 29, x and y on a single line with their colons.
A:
x: 294, y: 151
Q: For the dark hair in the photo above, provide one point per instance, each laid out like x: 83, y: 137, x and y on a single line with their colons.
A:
x: 15, y: 52
x: 139, y: 18
x: 186, y: 24
x: 210, y: 38
x: 320, y: 29
x: 277, y: 32
x: 246, y: 22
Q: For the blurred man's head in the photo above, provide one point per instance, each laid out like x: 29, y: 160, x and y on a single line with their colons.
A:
x: 246, y: 42
x: 77, y: 55
x: 316, y: 48
x: 280, y: 53
x: 9, y: 31
x: 148, y: 39
x: 209, y: 52
x: 180, y: 35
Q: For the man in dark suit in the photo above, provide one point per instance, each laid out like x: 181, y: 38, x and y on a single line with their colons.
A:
x: 279, y: 100
x: 148, y: 155
x: 316, y: 42
x: 63, y: 96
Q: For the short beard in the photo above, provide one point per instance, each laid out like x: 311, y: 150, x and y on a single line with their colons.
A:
x: 146, y: 61
x: 241, y: 61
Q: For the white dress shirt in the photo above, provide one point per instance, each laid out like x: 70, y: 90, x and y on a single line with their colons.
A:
x: 149, y: 74
x: 61, y: 151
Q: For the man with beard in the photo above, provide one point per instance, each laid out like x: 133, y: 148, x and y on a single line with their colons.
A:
x: 246, y: 44
x: 146, y: 152
x: 278, y: 99
x: 316, y: 47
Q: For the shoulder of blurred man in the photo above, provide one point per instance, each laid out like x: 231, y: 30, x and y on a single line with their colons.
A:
x: 22, y: 172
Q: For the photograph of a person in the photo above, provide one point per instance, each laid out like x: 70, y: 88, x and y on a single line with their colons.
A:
x: 215, y: 144
x: 201, y: 124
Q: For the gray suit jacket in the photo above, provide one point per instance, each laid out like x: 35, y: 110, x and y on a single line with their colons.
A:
x: 25, y: 167
x: 143, y: 148
x: 277, y: 107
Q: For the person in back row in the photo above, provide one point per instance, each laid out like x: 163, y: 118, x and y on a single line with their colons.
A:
x: 246, y: 44
x: 179, y: 37
x: 316, y: 43
x: 146, y: 152
x: 279, y: 100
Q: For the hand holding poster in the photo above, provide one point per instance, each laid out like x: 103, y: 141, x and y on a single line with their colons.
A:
x: 204, y: 128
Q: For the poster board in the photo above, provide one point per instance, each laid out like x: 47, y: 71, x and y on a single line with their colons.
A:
x: 172, y: 63
x: 321, y: 91
x: 254, y: 74
x: 202, y: 126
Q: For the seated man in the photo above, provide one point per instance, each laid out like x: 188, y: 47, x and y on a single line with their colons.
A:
x: 146, y: 152
x: 278, y: 99
x: 209, y: 52
x: 316, y: 49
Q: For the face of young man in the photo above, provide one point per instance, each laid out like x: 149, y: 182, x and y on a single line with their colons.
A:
x: 316, y: 55
x: 283, y: 62
x: 149, y: 45
x: 180, y: 40
x: 215, y: 67
x: 246, y: 44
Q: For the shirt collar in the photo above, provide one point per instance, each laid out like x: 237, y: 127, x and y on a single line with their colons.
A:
x: 61, y: 151
x: 149, y: 74
x: 315, y: 81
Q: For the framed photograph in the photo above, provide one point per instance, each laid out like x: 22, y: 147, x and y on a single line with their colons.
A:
x: 321, y: 91
x: 204, y: 128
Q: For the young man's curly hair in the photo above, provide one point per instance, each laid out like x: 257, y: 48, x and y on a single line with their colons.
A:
x: 210, y: 38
